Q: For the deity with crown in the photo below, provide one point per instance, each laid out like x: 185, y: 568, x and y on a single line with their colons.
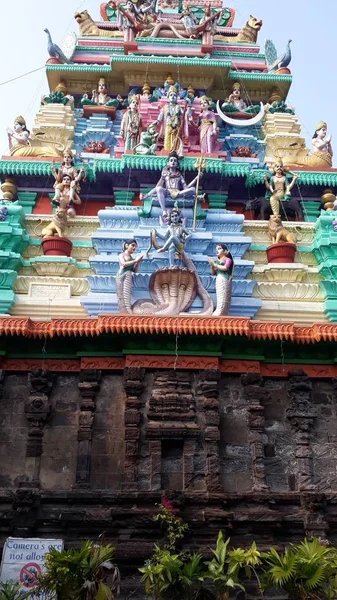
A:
x: 171, y: 118
x: 131, y: 125
x: 100, y: 96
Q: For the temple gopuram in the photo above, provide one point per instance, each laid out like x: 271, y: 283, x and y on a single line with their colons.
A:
x: 168, y: 290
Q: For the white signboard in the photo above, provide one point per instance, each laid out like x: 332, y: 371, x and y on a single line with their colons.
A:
x: 23, y: 559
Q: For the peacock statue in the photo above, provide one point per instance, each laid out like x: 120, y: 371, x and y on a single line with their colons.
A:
x: 55, y: 51
x: 275, y: 62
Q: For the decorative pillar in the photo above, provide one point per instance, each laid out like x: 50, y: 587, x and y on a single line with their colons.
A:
x: 88, y: 387
x: 37, y: 408
x: 208, y: 397
x: 27, y: 201
x: 133, y: 385
x: 301, y: 416
x: 254, y: 393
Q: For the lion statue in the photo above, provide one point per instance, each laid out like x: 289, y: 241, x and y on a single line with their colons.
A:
x: 248, y: 33
x: 88, y: 27
x: 58, y: 224
x: 277, y: 232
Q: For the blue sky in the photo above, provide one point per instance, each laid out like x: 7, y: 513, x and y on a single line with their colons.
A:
x: 311, y: 25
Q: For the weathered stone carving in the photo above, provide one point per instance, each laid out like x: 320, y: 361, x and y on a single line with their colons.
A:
x: 254, y: 394
x: 208, y: 396
x: 88, y: 386
x: 133, y: 385
x: 301, y: 415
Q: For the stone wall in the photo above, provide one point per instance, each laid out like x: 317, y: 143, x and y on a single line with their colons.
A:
x: 92, y: 452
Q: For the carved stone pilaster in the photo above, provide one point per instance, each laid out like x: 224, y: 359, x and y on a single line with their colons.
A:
x: 37, y: 408
x: 254, y: 393
x: 315, y: 522
x: 208, y: 397
x: 133, y: 385
x: 88, y: 385
x: 301, y: 415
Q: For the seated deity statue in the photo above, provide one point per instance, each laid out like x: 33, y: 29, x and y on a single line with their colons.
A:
x: 235, y: 104
x: 172, y: 184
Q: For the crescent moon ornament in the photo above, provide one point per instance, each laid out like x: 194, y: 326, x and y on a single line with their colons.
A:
x: 240, y: 122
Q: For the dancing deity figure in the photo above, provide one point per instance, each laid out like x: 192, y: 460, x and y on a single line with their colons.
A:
x: 131, y: 124
x: 278, y: 189
x: 171, y: 117
x: 175, y: 237
x: 222, y: 267
x: 207, y: 125
x: 127, y: 265
x: 62, y: 196
x: 172, y: 184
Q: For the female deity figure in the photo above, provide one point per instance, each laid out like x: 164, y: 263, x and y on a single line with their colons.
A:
x: 189, y: 21
x: 172, y: 184
x: 127, y: 265
x: 321, y: 158
x: 131, y: 125
x: 322, y: 143
x: 234, y: 102
x: 171, y: 117
x: 278, y: 189
x: 61, y: 197
x: 175, y: 237
x: 207, y: 125
x: 222, y: 268
x: 20, y: 135
x: 21, y: 144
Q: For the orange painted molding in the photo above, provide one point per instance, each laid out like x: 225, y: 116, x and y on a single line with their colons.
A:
x: 191, y: 363
x: 182, y: 325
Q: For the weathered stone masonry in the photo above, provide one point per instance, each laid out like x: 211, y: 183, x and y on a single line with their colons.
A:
x: 92, y: 452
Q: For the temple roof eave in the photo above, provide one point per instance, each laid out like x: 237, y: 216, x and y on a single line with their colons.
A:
x: 182, y: 325
x: 156, y: 163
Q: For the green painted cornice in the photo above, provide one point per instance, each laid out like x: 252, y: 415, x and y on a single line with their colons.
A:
x: 255, y: 177
x: 159, y: 41
x: 171, y: 60
x: 79, y: 68
x: 99, y: 49
x: 258, y: 76
x: 34, y: 167
x: 156, y: 163
x: 230, y: 54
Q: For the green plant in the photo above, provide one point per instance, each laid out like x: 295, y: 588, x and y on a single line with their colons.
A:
x: 80, y: 574
x: 169, y: 575
x: 175, y: 526
x: 306, y: 571
x: 9, y: 590
x: 224, y: 568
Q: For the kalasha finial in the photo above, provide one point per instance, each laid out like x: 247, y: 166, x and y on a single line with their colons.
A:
x: 146, y: 89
